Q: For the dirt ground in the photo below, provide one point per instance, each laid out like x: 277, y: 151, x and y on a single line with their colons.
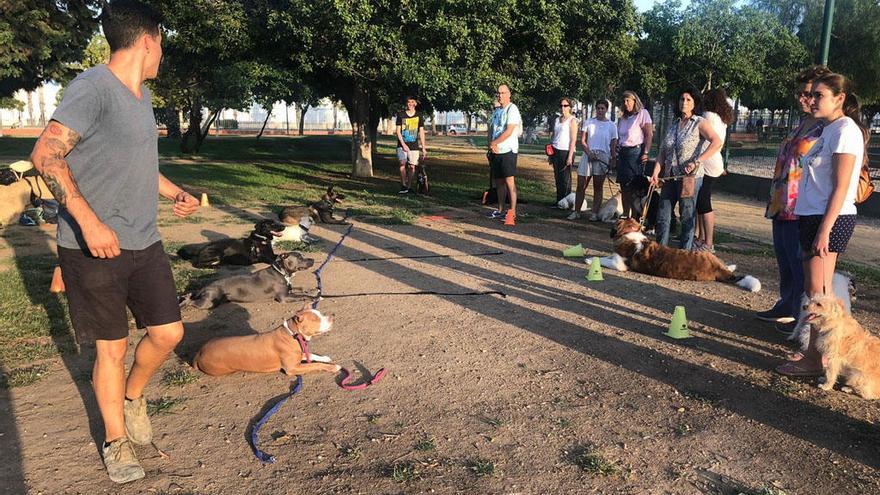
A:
x: 485, y: 394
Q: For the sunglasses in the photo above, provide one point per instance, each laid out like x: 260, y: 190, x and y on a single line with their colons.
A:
x: 564, y: 105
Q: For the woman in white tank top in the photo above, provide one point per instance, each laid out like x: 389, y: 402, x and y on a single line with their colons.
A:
x: 563, y: 143
x: 718, y: 112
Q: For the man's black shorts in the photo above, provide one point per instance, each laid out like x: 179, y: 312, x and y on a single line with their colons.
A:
x: 503, y: 165
x: 98, y: 290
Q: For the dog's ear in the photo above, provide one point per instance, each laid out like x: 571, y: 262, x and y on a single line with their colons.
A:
x: 298, y: 318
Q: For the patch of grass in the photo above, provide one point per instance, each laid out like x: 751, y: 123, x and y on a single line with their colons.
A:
x: 21, y: 377
x: 494, y: 422
x: 162, y: 405
x: 425, y: 445
x: 783, y: 385
x: 178, y: 377
x: 868, y: 275
x: 372, y: 418
x: 484, y: 467
x: 563, y: 422
x: 284, y: 246
x: 351, y: 452
x: 190, y: 279
x: 403, y: 472
x: 35, y: 322
x: 165, y: 221
x: 592, y: 461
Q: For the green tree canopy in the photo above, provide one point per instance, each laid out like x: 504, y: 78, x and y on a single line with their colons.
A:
x: 39, y: 39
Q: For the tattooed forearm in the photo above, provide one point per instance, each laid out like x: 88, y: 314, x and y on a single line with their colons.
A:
x: 48, y: 158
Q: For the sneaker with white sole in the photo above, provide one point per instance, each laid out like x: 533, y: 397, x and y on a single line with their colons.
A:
x: 574, y: 216
x: 495, y: 214
x: 137, y: 422
x: 121, y: 462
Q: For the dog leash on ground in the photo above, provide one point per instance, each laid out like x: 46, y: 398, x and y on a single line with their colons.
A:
x: 420, y: 293
x: 268, y: 458
x: 424, y: 256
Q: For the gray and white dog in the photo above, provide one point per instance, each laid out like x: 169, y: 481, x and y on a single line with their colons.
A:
x: 272, y: 283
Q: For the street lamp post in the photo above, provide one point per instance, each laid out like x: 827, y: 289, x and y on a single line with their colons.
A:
x: 827, y: 21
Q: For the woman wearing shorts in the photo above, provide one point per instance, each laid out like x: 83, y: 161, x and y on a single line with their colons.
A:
x: 599, y: 139
x: 636, y: 132
x: 717, y: 111
x: 563, y: 142
x: 827, y: 191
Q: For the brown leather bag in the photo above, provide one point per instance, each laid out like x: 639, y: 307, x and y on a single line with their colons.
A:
x: 866, y: 186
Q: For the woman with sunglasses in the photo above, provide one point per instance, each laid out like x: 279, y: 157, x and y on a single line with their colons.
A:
x: 563, y: 142
x: 783, y: 197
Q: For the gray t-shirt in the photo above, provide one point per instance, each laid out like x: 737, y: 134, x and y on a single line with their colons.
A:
x: 116, y: 162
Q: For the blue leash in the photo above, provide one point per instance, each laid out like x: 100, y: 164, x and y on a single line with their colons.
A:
x: 263, y: 456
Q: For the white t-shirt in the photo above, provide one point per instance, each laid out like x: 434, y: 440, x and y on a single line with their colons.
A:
x: 714, y: 165
x: 843, y: 136
x: 600, y: 133
x: 502, y: 118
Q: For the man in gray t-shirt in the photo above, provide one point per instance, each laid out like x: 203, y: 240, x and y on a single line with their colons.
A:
x: 99, y: 157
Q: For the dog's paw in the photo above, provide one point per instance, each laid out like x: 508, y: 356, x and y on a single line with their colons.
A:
x: 826, y: 386
x: 338, y: 368
x: 588, y: 261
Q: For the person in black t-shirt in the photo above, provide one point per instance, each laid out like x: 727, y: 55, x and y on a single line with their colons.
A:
x: 410, y: 130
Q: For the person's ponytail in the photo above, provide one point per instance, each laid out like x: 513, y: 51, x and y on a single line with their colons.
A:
x: 853, y: 110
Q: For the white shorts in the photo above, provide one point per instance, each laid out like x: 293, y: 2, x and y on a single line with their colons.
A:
x: 588, y: 168
x: 411, y: 157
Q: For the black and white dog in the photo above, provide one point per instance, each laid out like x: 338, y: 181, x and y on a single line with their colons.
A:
x: 255, y: 248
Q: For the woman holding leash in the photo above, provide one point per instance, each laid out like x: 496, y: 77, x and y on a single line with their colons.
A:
x: 599, y: 139
x: 636, y: 131
x: 689, y: 142
x: 717, y: 111
x: 563, y: 143
x: 827, y: 191
x: 783, y: 198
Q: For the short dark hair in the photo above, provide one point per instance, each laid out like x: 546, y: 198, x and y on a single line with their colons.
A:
x: 411, y: 97
x: 811, y: 73
x: 124, y: 21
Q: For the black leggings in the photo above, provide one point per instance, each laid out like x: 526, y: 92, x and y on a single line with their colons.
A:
x: 704, y: 197
x: 562, y: 173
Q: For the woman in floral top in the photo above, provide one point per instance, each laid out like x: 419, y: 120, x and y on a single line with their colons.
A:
x: 780, y: 208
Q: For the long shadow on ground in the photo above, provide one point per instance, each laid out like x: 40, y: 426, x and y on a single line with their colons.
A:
x: 824, y: 428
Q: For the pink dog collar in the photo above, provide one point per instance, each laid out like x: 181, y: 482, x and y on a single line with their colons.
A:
x: 302, y: 342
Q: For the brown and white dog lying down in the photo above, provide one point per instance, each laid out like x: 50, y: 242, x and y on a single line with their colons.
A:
x: 849, y: 349
x: 269, y: 352
x: 634, y: 251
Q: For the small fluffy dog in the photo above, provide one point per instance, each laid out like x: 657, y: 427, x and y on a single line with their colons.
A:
x: 848, y: 348
x: 611, y: 209
x: 567, y: 203
x: 844, y: 290
x: 269, y: 352
x: 634, y: 251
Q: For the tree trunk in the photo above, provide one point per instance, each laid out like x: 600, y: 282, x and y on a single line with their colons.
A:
x: 375, y: 117
x: 30, y: 105
x: 434, y: 123
x: 42, y: 102
x: 189, y: 142
x: 467, y: 122
x: 335, y: 118
x: 361, y: 145
x: 266, y: 121
x: 172, y: 121
x: 303, y: 108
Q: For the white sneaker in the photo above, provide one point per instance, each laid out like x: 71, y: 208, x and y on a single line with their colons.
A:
x: 574, y: 216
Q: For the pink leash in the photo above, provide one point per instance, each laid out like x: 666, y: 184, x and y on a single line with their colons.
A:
x: 343, y: 384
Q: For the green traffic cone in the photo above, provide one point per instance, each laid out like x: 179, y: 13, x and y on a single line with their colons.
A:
x: 678, y: 327
x: 595, y: 272
x: 573, y: 251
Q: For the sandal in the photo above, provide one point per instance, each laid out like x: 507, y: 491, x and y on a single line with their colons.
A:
x: 795, y: 368
x: 794, y: 356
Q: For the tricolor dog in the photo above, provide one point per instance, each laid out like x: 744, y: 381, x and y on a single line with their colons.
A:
x: 283, y: 348
x: 633, y: 250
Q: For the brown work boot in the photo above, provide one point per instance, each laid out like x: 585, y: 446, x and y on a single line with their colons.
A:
x: 121, y: 462
x: 137, y: 423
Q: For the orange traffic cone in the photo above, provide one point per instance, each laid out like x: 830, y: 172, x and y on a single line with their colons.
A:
x: 57, y: 282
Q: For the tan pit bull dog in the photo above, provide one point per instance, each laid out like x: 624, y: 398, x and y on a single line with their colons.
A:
x: 269, y: 352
